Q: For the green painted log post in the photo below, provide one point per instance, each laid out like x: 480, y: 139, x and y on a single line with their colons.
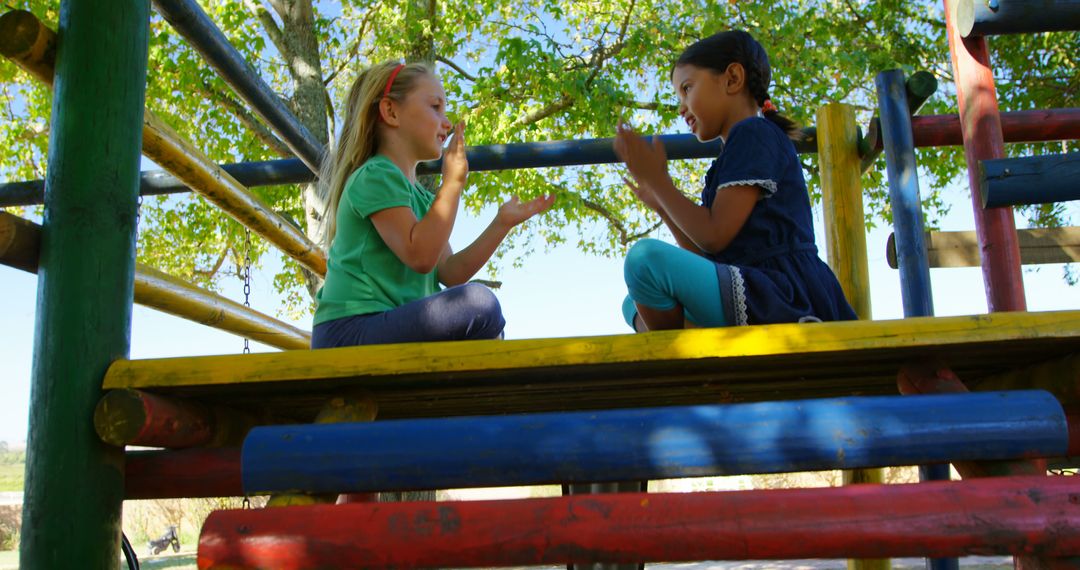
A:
x: 74, y: 482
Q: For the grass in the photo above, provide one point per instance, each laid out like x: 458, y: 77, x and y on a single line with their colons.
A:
x: 11, y: 476
x: 9, y: 560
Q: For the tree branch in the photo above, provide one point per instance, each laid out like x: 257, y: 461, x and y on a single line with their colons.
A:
x: 540, y: 114
x: 650, y: 106
x: 210, y: 273
x: 279, y: 7
x: 487, y: 283
x: 356, y: 45
x: 625, y: 238
x: 455, y: 67
x: 238, y: 110
x: 596, y: 61
x: 272, y: 29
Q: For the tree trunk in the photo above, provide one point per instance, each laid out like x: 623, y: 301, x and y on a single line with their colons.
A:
x: 309, y: 101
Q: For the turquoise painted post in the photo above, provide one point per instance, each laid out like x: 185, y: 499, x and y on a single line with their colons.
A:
x: 74, y: 482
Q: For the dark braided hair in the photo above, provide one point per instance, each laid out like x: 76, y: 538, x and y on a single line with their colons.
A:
x: 722, y: 49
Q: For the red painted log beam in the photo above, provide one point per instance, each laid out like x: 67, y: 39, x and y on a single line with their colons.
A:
x: 1016, y: 127
x: 134, y: 417
x: 1025, y: 515
x: 187, y: 473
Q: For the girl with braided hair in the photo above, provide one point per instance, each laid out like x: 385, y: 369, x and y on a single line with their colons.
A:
x: 746, y: 253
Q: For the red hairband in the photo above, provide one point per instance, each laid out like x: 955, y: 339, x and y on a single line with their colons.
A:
x: 390, y: 82
x: 768, y: 107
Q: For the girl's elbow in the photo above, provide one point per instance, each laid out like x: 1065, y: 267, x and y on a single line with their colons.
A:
x: 425, y: 266
x: 715, y: 245
x: 421, y: 262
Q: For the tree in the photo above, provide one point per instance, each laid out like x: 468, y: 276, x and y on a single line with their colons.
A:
x: 526, y: 70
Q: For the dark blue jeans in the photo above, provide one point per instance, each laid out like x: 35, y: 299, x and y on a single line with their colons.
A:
x: 464, y: 312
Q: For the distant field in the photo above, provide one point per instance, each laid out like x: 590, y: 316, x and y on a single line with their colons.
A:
x: 11, y: 477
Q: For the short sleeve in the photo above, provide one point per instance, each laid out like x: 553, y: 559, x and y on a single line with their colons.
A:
x: 378, y: 185
x: 753, y: 156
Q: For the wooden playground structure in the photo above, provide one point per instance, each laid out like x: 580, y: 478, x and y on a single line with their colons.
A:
x: 995, y: 395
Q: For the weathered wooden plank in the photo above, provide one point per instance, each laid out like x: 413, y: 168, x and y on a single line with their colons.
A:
x: 961, y: 249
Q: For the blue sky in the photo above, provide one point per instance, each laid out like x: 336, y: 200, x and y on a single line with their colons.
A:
x: 558, y: 293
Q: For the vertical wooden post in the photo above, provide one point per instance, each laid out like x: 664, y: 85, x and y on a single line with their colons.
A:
x: 845, y: 239
x: 841, y: 191
x: 898, y: 140
x: 74, y: 482
x: 980, y: 124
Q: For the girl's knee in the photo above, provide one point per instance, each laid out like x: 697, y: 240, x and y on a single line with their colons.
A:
x: 486, y: 319
x: 480, y: 298
x: 644, y: 256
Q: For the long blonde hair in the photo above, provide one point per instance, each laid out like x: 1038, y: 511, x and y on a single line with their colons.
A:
x: 359, y: 141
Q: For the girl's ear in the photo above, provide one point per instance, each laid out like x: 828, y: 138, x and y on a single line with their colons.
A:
x: 736, y: 78
x: 388, y: 112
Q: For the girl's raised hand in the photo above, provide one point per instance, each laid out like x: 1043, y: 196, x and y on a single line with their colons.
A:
x: 455, y: 166
x: 646, y: 161
x: 514, y: 211
x: 643, y: 193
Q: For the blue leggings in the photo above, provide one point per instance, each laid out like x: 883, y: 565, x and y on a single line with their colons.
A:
x: 660, y: 276
x: 464, y: 312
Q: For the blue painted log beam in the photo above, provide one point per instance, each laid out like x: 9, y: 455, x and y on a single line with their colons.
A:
x: 1000, y: 17
x: 189, y: 19
x: 658, y: 443
x: 481, y: 158
x: 899, y: 143
x: 1030, y: 180
x: 157, y: 182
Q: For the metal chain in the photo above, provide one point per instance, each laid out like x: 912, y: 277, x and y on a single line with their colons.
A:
x: 247, y: 281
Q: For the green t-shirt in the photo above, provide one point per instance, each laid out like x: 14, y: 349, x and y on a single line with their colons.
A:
x: 363, y: 275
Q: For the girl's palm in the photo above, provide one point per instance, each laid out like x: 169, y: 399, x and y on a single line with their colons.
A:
x: 514, y: 211
x: 455, y: 166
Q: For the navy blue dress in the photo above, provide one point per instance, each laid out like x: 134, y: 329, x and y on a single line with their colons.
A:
x: 771, y: 272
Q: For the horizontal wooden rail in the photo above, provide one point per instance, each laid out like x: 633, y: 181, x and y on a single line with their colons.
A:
x: 987, y: 516
x: 20, y: 241
x: 961, y: 249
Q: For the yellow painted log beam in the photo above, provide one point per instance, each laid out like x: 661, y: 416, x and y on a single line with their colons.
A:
x: 20, y: 242
x: 171, y: 295
x: 26, y: 41
x: 31, y: 45
x: 162, y: 145
x: 845, y: 240
x: 999, y: 341
x: 961, y: 249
